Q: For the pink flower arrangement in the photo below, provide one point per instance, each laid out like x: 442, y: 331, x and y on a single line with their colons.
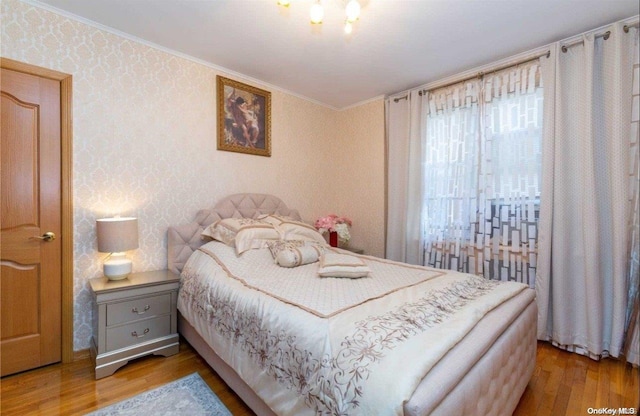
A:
x: 334, y: 223
x: 330, y: 222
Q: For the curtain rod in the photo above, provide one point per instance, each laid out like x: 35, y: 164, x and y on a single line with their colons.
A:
x: 482, y: 73
x: 478, y: 75
x: 604, y: 35
x: 564, y: 48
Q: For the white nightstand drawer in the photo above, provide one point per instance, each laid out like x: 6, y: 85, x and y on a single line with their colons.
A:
x: 122, y: 312
x: 131, y: 334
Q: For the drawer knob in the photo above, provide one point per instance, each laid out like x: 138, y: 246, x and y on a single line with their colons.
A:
x: 146, y: 308
x: 135, y: 333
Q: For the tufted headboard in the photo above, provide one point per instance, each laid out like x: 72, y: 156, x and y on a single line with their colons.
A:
x: 182, y: 240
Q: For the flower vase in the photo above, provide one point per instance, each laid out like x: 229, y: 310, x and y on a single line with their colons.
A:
x: 333, y: 239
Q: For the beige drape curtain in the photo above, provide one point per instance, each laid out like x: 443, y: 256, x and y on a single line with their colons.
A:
x: 582, y: 283
x: 405, y: 186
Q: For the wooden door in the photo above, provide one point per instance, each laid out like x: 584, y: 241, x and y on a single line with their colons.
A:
x: 30, y: 207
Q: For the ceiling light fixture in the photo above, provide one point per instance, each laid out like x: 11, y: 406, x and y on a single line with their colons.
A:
x: 316, y: 14
x: 353, y: 11
x: 348, y: 28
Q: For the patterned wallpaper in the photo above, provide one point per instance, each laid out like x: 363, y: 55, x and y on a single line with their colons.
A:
x: 144, y: 144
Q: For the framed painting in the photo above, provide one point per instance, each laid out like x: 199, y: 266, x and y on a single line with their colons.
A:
x: 244, y: 118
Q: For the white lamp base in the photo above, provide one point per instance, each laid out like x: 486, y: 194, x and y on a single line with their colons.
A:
x: 117, y: 266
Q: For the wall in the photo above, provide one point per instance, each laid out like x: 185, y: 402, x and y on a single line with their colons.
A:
x: 144, y: 144
x: 358, y: 173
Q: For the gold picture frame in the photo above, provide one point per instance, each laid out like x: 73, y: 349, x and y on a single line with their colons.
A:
x: 244, y: 118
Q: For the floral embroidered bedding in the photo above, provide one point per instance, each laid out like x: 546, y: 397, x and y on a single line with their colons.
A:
x: 311, y: 345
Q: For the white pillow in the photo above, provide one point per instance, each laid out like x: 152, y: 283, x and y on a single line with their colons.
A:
x: 291, y: 229
x: 293, y: 253
x: 275, y: 219
x: 242, y: 233
x: 342, y: 265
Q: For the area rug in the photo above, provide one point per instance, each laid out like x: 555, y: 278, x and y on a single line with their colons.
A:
x: 187, y: 396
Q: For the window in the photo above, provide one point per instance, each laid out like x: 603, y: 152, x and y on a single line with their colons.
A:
x: 482, y: 170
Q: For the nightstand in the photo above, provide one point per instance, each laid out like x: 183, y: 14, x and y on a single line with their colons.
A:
x: 133, y: 317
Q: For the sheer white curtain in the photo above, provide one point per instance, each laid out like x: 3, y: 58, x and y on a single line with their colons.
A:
x: 451, y: 174
x: 482, y: 174
x: 582, y: 281
x: 404, y: 177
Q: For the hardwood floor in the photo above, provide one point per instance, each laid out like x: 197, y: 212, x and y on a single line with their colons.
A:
x: 562, y: 384
x: 569, y: 384
x: 70, y: 389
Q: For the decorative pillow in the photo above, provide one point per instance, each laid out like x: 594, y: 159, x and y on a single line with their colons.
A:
x: 275, y: 219
x: 291, y: 229
x: 342, y: 265
x: 294, y: 253
x: 242, y: 233
x: 275, y: 247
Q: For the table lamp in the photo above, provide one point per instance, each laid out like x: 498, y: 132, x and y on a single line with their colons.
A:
x: 115, y: 236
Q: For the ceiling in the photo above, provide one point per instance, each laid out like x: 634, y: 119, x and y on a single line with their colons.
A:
x: 396, y: 44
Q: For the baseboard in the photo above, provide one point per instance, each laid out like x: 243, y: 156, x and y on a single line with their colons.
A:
x: 81, y: 354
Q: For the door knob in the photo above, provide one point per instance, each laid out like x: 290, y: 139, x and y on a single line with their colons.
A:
x: 48, y: 236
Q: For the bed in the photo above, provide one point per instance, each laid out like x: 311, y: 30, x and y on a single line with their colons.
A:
x: 403, y: 340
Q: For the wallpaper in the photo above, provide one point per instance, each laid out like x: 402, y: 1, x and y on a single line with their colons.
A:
x: 359, y: 174
x: 144, y: 144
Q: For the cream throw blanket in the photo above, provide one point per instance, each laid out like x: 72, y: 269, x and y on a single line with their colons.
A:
x: 310, y: 345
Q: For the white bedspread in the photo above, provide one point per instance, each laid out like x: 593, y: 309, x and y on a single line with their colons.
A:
x: 310, y: 345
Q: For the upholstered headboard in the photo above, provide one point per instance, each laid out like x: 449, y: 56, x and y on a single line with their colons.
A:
x: 182, y: 240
